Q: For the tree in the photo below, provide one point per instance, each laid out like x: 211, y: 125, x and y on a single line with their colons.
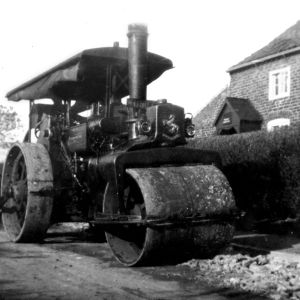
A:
x: 11, y: 128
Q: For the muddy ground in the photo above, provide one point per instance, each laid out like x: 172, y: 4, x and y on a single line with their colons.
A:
x: 73, y: 265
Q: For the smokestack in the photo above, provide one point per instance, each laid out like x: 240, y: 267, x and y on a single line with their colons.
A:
x: 137, y: 61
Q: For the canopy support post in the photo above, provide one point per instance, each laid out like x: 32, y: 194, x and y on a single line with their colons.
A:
x: 29, y: 130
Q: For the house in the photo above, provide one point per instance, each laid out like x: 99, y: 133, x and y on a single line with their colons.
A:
x: 270, y: 80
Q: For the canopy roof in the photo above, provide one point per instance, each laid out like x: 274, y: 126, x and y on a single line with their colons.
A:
x: 83, y: 76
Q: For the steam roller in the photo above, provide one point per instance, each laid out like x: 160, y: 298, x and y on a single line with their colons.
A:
x: 178, y: 212
x: 126, y: 169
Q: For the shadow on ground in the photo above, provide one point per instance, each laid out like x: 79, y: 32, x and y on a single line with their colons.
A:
x: 267, y: 236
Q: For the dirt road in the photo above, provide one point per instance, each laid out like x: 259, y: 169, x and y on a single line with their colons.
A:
x: 69, y: 266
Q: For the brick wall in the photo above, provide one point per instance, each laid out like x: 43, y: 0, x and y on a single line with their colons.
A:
x: 253, y: 83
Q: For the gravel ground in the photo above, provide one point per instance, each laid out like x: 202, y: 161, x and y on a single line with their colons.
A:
x: 273, y: 277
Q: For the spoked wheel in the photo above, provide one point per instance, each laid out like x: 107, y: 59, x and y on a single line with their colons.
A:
x: 27, y: 187
x: 18, y: 188
x: 173, y: 196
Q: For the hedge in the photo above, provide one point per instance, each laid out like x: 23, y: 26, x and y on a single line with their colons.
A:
x: 263, y: 169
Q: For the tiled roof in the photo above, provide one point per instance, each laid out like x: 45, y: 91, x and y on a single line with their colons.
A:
x: 204, y: 120
x: 286, y: 41
x: 244, y: 109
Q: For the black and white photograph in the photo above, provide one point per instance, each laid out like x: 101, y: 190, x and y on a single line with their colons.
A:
x: 150, y: 149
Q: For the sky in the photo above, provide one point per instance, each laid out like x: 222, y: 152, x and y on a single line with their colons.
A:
x: 202, y: 38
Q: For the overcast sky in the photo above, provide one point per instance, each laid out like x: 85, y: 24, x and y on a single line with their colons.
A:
x: 202, y: 38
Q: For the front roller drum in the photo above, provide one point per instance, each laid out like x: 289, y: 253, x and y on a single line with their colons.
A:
x: 27, y: 188
x: 173, y: 194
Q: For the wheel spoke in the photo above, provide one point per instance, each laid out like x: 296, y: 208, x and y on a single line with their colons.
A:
x: 21, y: 216
x: 23, y: 175
x: 18, y: 201
x: 133, y: 203
x: 129, y: 201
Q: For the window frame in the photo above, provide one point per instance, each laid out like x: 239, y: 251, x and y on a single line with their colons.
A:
x: 278, y: 122
x: 283, y: 83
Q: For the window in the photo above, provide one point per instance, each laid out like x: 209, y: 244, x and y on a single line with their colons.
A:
x: 276, y: 123
x: 279, y: 83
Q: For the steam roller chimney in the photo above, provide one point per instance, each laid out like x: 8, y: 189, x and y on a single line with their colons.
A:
x: 137, y: 61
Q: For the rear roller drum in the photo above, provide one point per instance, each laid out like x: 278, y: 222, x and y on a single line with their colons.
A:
x: 173, y: 194
x: 26, y: 188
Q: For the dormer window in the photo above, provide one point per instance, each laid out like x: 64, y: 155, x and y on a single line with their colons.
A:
x: 279, y: 83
